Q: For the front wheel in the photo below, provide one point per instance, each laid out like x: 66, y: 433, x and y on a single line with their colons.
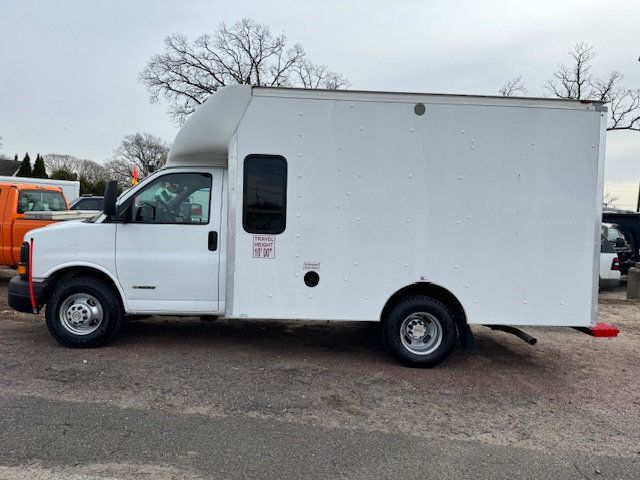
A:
x: 83, y: 312
x: 419, y: 331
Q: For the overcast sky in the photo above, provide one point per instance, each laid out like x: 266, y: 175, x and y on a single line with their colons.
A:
x: 68, y: 69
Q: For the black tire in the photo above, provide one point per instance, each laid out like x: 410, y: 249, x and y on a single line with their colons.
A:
x: 434, y: 315
x: 107, y: 299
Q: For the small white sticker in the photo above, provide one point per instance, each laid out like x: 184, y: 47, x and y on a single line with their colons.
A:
x: 311, y: 266
x: 264, y: 246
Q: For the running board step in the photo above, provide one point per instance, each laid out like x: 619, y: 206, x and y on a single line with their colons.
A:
x: 515, y: 331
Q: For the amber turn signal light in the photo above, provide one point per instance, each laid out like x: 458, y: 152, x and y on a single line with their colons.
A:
x: 22, y: 270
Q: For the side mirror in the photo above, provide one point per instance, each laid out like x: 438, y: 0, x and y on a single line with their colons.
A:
x: 110, y: 197
x: 146, y: 213
x: 620, y: 242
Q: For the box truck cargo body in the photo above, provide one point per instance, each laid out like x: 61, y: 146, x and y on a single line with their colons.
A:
x: 422, y: 211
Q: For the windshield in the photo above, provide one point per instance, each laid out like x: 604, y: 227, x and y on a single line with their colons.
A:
x: 41, y: 201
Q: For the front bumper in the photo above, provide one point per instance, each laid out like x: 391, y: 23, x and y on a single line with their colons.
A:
x: 19, y: 297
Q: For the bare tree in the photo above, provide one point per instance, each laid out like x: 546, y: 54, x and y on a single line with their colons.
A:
x: 55, y: 162
x: 143, y: 151
x: 575, y: 80
x: 91, y: 171
x: 186, y: 73
x: 513, y: 88
x: 609, y: 199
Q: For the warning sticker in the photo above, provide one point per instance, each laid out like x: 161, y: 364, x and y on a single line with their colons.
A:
x: 311, y: 266
x: 264, y: 246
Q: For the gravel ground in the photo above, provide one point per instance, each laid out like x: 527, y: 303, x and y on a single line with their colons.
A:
x: 183, y: 398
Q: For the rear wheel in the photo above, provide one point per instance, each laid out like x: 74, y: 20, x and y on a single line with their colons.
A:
x: 419, y: 331
x: 83, y: 312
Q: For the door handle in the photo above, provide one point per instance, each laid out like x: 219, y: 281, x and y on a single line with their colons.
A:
x: 213, y: 241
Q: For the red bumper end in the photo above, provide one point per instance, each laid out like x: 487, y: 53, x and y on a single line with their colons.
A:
x: 601, y: 330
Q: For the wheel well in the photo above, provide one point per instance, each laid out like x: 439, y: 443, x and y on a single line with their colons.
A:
x: 70, y: 272
x: 434, y: 291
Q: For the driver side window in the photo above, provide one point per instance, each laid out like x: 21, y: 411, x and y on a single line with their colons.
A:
x: 176, y: 198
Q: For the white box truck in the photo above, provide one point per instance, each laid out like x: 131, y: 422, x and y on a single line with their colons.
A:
x: 70, y: 188
x: 426, y: 212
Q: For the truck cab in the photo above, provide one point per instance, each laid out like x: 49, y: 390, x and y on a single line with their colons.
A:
x: 17, y: 200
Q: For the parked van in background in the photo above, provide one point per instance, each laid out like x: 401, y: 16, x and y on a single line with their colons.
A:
x: 609, y: 265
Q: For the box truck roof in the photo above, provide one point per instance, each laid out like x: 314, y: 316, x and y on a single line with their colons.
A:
x: 204, y: 139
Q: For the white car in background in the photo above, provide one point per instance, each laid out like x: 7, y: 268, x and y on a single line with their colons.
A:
x: 609, y: 265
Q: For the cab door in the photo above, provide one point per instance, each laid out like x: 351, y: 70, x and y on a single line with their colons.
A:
x: 168, y: 244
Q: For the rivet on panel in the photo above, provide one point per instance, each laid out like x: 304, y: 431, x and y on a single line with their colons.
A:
x: 346, y: 279
x: 366, y: 298
x: 413, y: 130
x: 456, y: 267
x: 308, y: 296
x: 476, y: 301
x: 562, y: 304
x: 468, y: 216
x: 524, y: 301
x: 352, y: 105
x: 410, y: 176
x: 406, y: 264
x: 299, y: 155
x: 359, y: 174
x: 298, y: 235
x: 460, y: 178
x: 297, y: 255
x: 298, y: 215
x: 299, y: 175
x: 300, y: 114
x: 466, y: 285
x: 271, y: 295
x: 361, y: 128
x: 459, y: 222
x: 297, y: 274
x: 357, y: 219
x: 348, y: 194
x: 472, y: 147
x: 298, y: 195
x: 408, y: 220
x: 356, y: 263
x: 533, y: 143
x: 463, y: 132
x: 299, y: 134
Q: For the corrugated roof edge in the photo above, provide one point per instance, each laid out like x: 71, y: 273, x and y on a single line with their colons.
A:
x: 417, y: 96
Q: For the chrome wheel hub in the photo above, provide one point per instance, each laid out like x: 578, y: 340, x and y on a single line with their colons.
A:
x: 421, y: 333
x: 81, y: 314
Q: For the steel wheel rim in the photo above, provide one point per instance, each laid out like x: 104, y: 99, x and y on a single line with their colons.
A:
x: 421, y: 333
x: 81, y: 314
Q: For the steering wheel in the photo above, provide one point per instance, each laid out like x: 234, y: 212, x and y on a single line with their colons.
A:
x: 164, y: 212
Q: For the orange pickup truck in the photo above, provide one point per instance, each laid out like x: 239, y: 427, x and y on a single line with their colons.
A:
x: 15, y: 200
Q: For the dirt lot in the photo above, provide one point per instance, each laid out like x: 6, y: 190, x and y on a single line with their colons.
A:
x: 182, y: 398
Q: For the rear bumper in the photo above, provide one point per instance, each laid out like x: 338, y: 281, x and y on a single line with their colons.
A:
x: 19, y: 297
